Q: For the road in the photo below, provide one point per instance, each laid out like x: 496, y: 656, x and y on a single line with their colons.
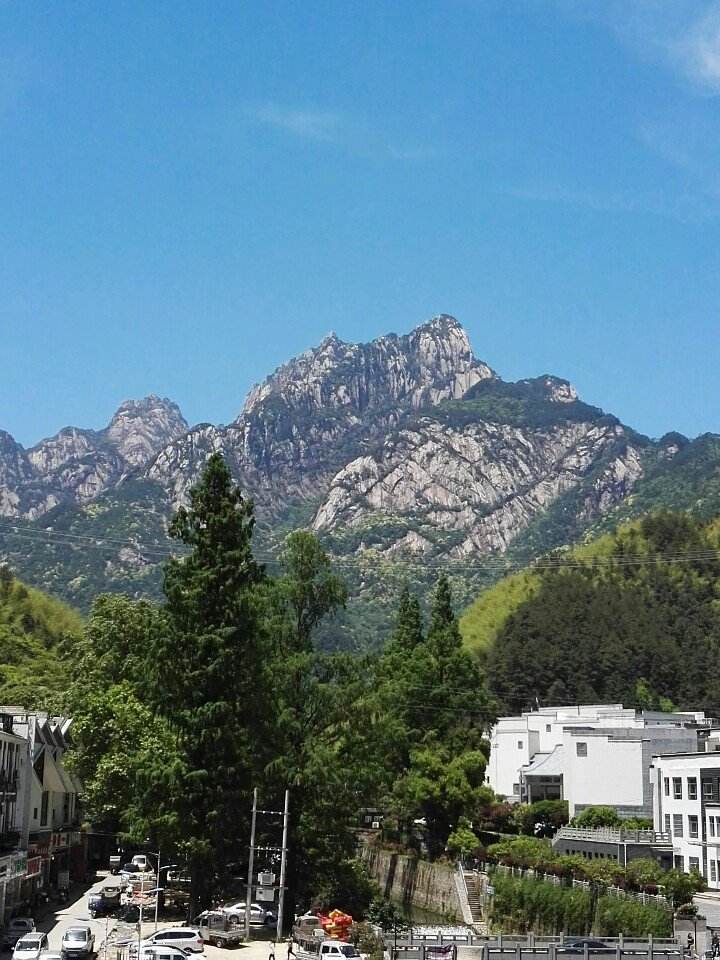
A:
x: 70, y: 914
x: 75, y: 912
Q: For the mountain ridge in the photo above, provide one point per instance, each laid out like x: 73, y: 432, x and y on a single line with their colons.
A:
x: 408, y: 449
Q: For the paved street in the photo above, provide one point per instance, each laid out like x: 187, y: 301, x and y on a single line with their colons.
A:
x: 69, y: 914
x: 56, y: 922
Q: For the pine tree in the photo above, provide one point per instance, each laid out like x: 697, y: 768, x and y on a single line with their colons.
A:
x: 208, y: 679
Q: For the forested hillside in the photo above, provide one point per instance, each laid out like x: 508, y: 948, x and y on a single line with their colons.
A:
x: 37, y: 635
x: 632, y: 617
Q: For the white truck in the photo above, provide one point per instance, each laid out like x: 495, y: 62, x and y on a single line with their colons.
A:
x: 327, y: 950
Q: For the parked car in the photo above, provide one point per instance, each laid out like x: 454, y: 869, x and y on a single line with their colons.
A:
x: 184, y: 938
x: 578, y: 945
x: 30, y: 946
x: 78, y: 942
x: 162, y: 953
x: 142, y: 862
x: 17, y: 928
x: 259, y: 916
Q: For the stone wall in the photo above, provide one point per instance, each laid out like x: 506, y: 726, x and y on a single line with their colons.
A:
x: 430, y: 886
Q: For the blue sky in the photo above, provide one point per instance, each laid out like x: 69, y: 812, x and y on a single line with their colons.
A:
x: 193, y: 192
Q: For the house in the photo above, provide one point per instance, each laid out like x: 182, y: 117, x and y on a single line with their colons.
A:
x: 41, y: 844
x: 686, y: 805
x: 588, y: 755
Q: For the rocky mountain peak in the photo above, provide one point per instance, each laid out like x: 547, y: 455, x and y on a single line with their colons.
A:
x: 432, y: 363
x: 139, y: 428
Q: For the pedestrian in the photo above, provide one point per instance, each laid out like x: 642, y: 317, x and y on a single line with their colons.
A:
x: 690, y: 945
x: 715, y: 943
x: 290, y: 951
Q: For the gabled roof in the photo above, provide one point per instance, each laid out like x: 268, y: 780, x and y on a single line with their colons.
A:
x: 546, y: 764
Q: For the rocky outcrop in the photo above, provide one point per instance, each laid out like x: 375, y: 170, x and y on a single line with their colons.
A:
x: 139, y: 428
x: 484, y: 482
x: 319, y: 410
x: 79, y: 465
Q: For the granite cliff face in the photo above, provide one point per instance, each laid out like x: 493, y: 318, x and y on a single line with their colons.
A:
x: 404, y: 447
x: 77, y: 466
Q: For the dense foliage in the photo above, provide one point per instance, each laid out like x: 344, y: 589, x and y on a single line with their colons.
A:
x: 183, y: 708
x: 527, y: 903
x: 635, y: 620
x: 36, y: 634
x: 643, y: 875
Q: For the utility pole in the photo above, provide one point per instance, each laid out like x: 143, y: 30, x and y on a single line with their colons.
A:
x: 283, y: 862
x: 251, y: 866
x: 157, y: 892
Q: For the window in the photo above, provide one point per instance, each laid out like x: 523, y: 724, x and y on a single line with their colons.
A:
x: 666, y: 784
x: 679, y: 862
x: 35, y: 813
x: 677, y: 788
x: 581, y: 749
x: 692, y: 826
x: 548, y: 728
x: 713, y: 870
x: 711, y: 822
x: 677, y: 825
x: 692, y: 788
x: 707, y: 789
x: 695, y: 863
x: 520, y: 744
x: 667, y: 823
x: 44, y: 807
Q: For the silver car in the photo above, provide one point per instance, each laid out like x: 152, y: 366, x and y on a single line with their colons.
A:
x: 78, y: 942
x: 30, y: 946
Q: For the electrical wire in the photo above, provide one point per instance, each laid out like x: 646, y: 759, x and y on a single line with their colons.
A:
x: 159, y: 551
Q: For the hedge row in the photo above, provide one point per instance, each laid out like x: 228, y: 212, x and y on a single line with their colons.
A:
x: 525, y: 903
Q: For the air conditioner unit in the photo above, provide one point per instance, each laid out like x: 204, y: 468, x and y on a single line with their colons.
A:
x: 376, y: 824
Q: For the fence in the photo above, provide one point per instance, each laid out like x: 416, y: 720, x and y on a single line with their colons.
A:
x: 542, y: 948
x: 613, y: 835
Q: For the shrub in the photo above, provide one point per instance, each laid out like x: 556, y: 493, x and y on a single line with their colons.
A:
x: 462, y: 841
x: 597, y: 817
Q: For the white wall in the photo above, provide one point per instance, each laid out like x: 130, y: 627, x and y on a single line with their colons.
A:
x: 612, y: 772
x: 667, y: 805
x: 506, y: 756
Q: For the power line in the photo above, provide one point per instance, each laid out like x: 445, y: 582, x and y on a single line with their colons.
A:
x: 159, y: 551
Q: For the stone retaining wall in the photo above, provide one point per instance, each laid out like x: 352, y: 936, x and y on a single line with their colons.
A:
x: 430, y: 886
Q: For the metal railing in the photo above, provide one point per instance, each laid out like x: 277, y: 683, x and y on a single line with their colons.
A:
x: 612, y: 835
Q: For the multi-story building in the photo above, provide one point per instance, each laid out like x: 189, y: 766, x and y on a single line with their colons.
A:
x: 588, y: 755
x: 13, y: 860
x: 40, y: 841
x: 686, y: 805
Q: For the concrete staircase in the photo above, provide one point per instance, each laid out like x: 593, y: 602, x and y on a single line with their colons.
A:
x: 473, y: 885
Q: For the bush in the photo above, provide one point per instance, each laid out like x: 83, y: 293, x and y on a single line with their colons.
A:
x: 643, y: 872
x: 522, y: 852
x: 542, y: 818
x: 597, y: 817
x: 614, y: 916
x: 462, y: 841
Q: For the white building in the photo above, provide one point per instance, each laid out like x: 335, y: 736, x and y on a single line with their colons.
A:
x: 587, y: 755
x: 515, y: 741
x: 40, y: 839
x: 686, y: 804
